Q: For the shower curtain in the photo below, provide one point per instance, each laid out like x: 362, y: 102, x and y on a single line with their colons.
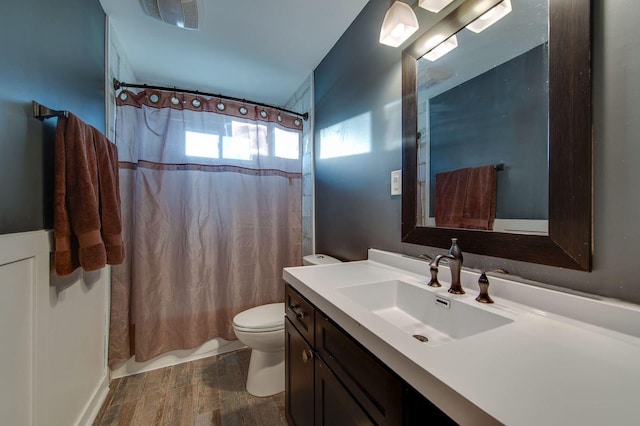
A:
x: 211, y: 199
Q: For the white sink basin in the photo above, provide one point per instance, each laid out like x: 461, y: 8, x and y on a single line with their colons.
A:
x: 420, y: 312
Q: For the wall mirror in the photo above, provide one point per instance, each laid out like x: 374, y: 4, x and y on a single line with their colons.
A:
x: 515, y: 96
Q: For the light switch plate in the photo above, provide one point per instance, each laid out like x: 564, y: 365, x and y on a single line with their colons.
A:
x: 396, y: 182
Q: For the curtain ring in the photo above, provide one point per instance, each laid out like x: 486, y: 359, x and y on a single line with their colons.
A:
x: 154, y: 97
x: 174, y: 98
x: 196, y: 102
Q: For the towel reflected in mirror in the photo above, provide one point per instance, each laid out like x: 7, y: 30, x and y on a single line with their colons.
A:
x: 466, y: 198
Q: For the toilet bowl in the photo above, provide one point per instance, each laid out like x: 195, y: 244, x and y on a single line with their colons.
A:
x: 262, y: 329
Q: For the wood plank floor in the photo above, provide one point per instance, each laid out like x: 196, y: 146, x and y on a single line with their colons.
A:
x: 209, y: 391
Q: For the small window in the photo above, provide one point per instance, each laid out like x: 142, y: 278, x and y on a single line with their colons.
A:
x: 202, y: 145
x: 287, y: 144
x: 236, y: 148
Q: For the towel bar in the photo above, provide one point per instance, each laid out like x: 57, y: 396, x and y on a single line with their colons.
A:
x: 42, y: 112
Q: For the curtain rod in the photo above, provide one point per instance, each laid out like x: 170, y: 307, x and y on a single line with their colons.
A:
x: 117, y: 85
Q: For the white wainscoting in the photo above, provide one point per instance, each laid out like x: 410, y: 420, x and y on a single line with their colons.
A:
x: 17, y: 334
x: 53, y: 330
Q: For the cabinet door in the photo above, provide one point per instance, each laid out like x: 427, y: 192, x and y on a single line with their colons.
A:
x: 419, y: 411
x: 367, y: 379
x: 334, y: 404
x: 298, y: 378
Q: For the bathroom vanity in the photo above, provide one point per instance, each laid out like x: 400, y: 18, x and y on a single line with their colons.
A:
x: 369, y: 342
x: 332, y: 379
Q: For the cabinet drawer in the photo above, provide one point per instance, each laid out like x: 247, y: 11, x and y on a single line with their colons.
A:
x: 375, y: 388
x: 300, y: 312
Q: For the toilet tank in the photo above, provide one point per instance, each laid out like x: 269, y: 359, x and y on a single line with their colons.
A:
x: 319, y: 259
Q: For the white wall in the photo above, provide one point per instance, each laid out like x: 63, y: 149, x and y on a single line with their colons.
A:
x: 118, y: 67
x: 302, y: 101
x: 53, y: 332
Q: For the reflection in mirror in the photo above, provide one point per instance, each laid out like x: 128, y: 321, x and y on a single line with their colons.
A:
x: 486, y: 103
x: 567, y: 241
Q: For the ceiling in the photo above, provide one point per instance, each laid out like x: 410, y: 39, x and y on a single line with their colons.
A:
x: 256, y: 50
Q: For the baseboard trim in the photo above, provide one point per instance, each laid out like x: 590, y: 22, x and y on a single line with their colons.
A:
x: 210, y: 348
x: 92, y: 408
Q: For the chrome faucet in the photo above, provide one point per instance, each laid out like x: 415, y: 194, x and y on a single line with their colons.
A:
x: 483, y: 283
x: 433, y: 268
x: 455, y: 265
x: 454, y: 259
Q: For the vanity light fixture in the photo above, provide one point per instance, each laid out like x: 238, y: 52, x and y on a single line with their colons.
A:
x: 490, y: 17
x: 434, y: 6
x: 442, y: 49
x: 399, y: 23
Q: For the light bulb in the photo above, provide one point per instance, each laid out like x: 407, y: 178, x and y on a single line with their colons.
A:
x: 399, y: 23
x: 488, y: 14
x: 442, y: 49
x: 398, y: 30
x: 490, y: 17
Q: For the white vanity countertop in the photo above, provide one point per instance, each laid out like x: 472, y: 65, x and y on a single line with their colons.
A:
x: 553, y: 365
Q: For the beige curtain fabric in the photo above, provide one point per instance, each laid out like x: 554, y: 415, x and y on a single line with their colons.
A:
x: 207, y: 230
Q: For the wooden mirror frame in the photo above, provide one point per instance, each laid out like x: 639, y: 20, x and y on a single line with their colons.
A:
x: 569, y: 241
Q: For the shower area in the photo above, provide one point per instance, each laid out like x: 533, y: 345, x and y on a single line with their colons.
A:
x: 216, y: 199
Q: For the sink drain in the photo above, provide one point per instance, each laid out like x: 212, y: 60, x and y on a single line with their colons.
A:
x: 421, y: 337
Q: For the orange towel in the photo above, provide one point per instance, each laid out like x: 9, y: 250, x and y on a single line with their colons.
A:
x: 480, y: 201
x: 466, y: 198
x: 87, y: 221
x: 451, y: 191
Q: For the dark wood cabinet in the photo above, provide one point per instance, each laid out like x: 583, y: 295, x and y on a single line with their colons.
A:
x: 333, y: 380
x: 334, y: 405
x: 418, y: 410
x: 371, y: 383
x: 299, y: 377
x: 301, y: 313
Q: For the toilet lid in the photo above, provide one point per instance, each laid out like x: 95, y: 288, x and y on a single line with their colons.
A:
x: 264, y: 318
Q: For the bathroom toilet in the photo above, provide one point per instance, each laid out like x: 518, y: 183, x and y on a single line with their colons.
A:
x: 262, y: 329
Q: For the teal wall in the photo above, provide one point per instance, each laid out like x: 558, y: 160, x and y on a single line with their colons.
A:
x: 357, y: 93
x: 499, y: 116
x: 51, y: 52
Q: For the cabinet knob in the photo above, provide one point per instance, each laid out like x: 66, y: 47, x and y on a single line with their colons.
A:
x: 307, y: 355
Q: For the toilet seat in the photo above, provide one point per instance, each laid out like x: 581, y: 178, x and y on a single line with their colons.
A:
x: 261, y: 319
